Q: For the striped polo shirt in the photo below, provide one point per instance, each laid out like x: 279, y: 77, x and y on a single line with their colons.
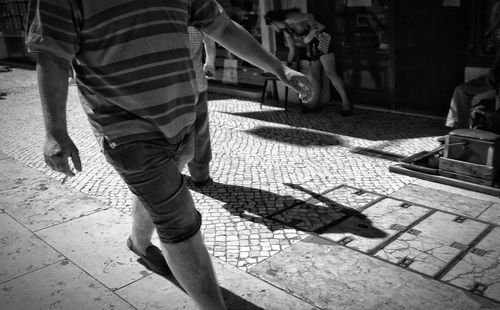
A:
x: 132, y: 60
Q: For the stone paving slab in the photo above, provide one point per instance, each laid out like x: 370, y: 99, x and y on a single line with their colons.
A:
x: 13, y: 174
x: 240, y: 291
x: 244, y: 291
x: 456, y: 191
x: 479, y: 270
x: 433, y: 243
x: 375, y: 225
x: 38, y: 201
x: 161, y: 292
x: 350, y: 197
x: 310, y: 217
x: 60, y: 286
x: 324, y: 209
x: 97, y: 244
x: 330, y: 276
x: 21, y: 252
x: 442, y: 200
x: 492, y: 214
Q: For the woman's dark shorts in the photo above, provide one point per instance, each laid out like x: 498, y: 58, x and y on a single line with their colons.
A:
x: 150, y: 170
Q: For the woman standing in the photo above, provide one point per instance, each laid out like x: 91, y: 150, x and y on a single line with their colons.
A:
x: 297, y: 25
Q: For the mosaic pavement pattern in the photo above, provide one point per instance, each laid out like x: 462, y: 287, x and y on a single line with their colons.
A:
x: 264, y: 160
x: 280, y: 176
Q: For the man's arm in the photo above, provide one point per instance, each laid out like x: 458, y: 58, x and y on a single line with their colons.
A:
x: 210, y: 54
x: 237, y: 40
x: 53, y: 87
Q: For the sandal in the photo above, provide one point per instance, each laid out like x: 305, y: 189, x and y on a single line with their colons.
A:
x: 153, y: 260
x: 346, y: 113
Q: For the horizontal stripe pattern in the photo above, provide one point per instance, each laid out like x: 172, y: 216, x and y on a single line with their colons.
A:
x: 132, y: 60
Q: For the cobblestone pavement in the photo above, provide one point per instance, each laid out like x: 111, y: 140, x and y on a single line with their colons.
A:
x: 272, y: 170
x: 263, y: 159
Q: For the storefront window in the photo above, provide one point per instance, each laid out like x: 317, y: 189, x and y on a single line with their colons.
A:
x: 363, y: 24
x: 230, y: 69
x: 245, y: 13
x: 361, y: 30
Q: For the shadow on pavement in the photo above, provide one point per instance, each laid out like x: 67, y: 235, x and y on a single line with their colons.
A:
x: 365, y: 124
x: 296, y: 136
x: 231, y: 300
x: 279, y: 212
x: 367, y: 229
x: 371, y: 152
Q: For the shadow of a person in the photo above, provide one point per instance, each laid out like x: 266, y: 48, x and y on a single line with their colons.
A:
x: 310, y: 215
x: 232, y: 300
x: 363, y: 227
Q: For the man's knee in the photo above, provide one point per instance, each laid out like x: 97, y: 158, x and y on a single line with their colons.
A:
x: 177, y: 219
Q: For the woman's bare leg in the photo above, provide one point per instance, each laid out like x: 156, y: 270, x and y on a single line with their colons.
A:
x: 328, y: 63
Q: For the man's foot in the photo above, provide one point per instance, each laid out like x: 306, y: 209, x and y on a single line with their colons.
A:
x: 153, y: 259
x: 203, y: 183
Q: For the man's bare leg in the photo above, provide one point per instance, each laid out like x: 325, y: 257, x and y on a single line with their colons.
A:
x: 142, y: 227
x: 188, y: 260
x: 192, y: 267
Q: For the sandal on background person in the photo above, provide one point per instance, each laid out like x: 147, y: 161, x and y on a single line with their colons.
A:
x: 347, y: 112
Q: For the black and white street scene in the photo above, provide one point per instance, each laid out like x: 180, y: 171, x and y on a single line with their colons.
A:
x: 250, y: 154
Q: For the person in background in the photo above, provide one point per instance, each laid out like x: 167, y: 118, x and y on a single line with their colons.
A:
x: 199, y: 166
x: 135, y: 77
x: 304, y: 27
x: 459, y: 113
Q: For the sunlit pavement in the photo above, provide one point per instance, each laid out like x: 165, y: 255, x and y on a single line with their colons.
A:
x: 303, y: 213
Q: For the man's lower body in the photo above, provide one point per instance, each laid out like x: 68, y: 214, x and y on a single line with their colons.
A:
x: 199, y: 166
x: 462, y: 101
x: 151, y: 169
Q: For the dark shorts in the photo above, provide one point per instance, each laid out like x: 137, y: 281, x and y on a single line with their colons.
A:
x: 151, y: 172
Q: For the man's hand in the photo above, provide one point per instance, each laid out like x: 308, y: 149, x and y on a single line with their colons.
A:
x: 238, y: 41
x: 299, y: 82
x: 56, y: 152
x: 209, y: 71
x: 53, y: 86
